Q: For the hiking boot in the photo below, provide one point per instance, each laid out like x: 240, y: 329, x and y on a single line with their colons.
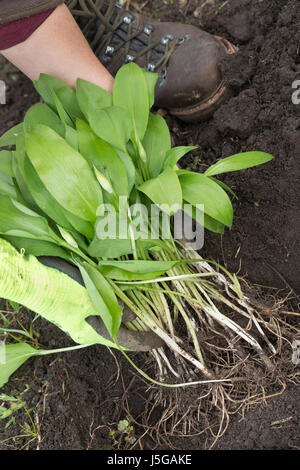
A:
x: 186, y: 58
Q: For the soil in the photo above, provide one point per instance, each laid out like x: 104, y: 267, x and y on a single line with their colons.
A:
x: 77, y: 399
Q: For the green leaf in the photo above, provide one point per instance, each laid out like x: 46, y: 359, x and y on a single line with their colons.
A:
x: 103, y: 298
x: 110, y: 248
x: 64, y: 172
x: 131, y: 93
x: 111, y: 234
x: 24, y: 195
x: 37, y: 247
x: 239, y: 161
x: 203, y: 219
x: 17, y: 220
x: 71, y: 136
x: 114, y: 248
x: 64, y: 116
x: 104, y: 157
x: 91, y: 97
x: 130, y: 168
x: 67, y: 309
x: 7, y: 186
x: 9, y: 137
x: 14, y: 355
x: 37, y: 189
x: 6, y: 162
x: 135, y: 270
x: 199, y: 189
x: 156, y: 142
x: 41, y: 113
x: 174, y: 154
x: 112, y: 125
x: 151, y: 79
x: 165, y: 191
x: 4, y: 397
x: 47, y: 203
x: 80, y: 225
x: 45, y: 86
x: 224, y: 186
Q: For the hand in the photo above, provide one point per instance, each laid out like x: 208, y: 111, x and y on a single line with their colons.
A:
x: 133, y: 340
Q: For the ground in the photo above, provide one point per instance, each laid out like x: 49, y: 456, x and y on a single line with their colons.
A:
x: 76, y: 400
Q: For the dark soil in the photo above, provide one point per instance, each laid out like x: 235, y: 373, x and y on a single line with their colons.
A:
x: 78, y: 398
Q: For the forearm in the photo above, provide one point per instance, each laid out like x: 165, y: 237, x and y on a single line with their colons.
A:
x: 57, y: 47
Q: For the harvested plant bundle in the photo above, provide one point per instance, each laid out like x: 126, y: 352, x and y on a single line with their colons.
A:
x: 93, y: 180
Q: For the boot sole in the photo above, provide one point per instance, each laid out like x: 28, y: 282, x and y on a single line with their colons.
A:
x: 204, y: 110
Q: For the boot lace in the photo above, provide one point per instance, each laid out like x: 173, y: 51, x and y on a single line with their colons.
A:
x: 113, y: 30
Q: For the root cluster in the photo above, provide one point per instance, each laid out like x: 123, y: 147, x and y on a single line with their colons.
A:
x: 232, y: 350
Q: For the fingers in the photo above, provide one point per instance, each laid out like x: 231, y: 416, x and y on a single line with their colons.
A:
x: 62, y: 266
x: 133, y: 340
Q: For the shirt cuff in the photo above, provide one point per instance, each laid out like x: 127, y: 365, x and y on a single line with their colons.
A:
x: 18, y: 31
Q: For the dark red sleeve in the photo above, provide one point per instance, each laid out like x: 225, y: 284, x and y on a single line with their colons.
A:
x: 18, y: 31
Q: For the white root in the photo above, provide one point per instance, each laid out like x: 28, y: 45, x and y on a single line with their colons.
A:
x: 241, y: 299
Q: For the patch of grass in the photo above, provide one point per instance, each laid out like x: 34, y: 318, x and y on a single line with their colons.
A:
x: 29, y: 431
x: 224, y: 4
x: 8, y: 406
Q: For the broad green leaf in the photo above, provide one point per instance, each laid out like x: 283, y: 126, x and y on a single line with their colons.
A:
x: 224, y: 186
x: 24, y: 195
x: 165, y: 191
x: 111, y: 235
x: 41, y: 113
x: 6, y: 162
x: 102, y: 297
x: 71, y: 136
x: 64, y: 172
x: 117, y: 235
x: 114, y: 248
x: 47, y: 203
x: 17, y: 220
x: 213, y: 225
x: 82, y: 226
x: 104, y: 157
x: 135, y: 270
x: 67, y: 309
x: 151, y: 79
x: 239, y: 161
x: 14, y: 356
x: 112, y: 125
x: 174, y: 154
x: 46, y: 84
x: 208, y: 222
x: 156, y: 142
x: 91, y: 97
x: 37, y: 247
x: 110, y: 248
x: 199, y: 189
x: 130, y: 168
x: 64, y: 116
x: 131, y: 93
x: 7, y: 186
x: 37, y: 189
x: 9, y: 137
